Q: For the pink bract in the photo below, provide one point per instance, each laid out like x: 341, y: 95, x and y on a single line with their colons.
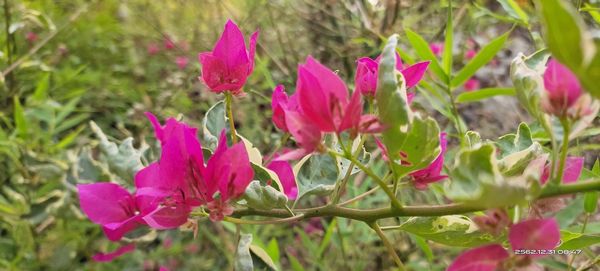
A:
x: 484, y: 258
x: 229, y: 64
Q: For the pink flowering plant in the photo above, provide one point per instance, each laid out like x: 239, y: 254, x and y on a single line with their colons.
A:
x: 492, y: 195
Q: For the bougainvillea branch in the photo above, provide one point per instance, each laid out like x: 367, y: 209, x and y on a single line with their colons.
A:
x: 434, y: 210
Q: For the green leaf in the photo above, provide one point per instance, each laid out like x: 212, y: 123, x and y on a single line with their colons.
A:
x: 21, y: 232
x: 579, y: 241
x: 526, y: 74
x: 263, y: 197
x: 447, y: 54
x: 590, y: 202
x: 391, y: 92
x: 419, y: 146
x: 327, y: 237
x: 20, y: 120
x: 515, y: 11
x: 484, y: 93
x: 273, y: 250
x: 316, y: 175
x: 517, y: 151
x: 451, y: 230
x: 123, y: 160
x: 362, y: 155
x: 422, y: 48
x: 569, y: 214
x: 41, y: 89
x: 214, y: 122
x: 476, y: 181
x: 571, y: 43
x: 422, y: 244
x: 294, y: 263
x: 243, y: 258
x: 484, y: 56
x: 263, y: 256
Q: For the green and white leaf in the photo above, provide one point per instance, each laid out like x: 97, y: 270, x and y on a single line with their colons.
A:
x: 316, y: 174
x: 263, y: 197
x: 451, y: 230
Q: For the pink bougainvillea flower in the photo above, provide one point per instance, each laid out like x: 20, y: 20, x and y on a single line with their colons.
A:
x: 229, y: 64
x: 168, y: 43
x: 112, y: 206
x: 228, y: 172
x: 107, y: 257
x: 572, y: 171
x: 152, y: 49
x: 562, y: 88
x: 484, y: 258
x: 471, y: 84
x: 31, y: 37
x: 181, y: 62
x: 423, y: 177
x: 470, y: 54
x: 284, y: 171
x: 367, y: 71
x: 534, y: 234
x: 180, y: 181
x: 172, y: 180
x: 437, y: 48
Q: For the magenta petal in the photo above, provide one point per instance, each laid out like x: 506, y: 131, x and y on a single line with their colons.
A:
x: 561, y: 84
x: 534, y: 234
x: 148, y: 176
x: 231, y: 47
x: 431, y: 174
x: 105, y: 203
x: 573, y: 167
x: 352, y: 113
x: 158, y: 129
x: 329, y: 80
x: 168, y: 217
x: 279, y: 101
x: 414, y: 73
x: 116, y: 231
x: 365, y: 78
x: 315, y: 100
x: 305, y: 133
x: 285, y: 173
x: 484, y: 258
x: 252, y: 51
x: 107, y: 257
x: 293, y: 155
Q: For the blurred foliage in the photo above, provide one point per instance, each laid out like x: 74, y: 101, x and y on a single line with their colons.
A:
x: 91, y: 60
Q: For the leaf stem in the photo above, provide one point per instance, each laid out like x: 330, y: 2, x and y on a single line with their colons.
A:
x: 228, y: 101
x: 263, y: 222
x: 388, y: 245
x: 395, y: 203
x: 563, y: 153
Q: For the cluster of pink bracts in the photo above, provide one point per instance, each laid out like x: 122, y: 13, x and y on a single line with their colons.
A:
x: 168, y: 190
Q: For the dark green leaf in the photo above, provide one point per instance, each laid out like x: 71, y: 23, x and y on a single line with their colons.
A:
x: 485, y: 55
x: 425, y: 53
